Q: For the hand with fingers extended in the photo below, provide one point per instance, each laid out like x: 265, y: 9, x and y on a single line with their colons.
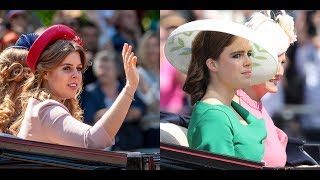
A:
x: 129, y: 64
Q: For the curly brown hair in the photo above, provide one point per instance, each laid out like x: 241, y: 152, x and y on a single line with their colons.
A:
x: 13, y: 73
x: 207, y: 44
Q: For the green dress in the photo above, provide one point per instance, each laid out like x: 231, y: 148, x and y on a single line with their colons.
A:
x: 216, y: 128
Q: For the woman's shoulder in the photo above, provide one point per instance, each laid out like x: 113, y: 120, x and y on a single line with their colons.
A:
x: 205, y: 106
x: 37, y: 105
x: 203, y: 111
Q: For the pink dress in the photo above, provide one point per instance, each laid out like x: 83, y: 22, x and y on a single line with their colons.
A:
x: 51, y: 122
x: 276, y: 141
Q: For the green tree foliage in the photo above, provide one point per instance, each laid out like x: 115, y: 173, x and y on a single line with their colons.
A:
x: 45, y: 16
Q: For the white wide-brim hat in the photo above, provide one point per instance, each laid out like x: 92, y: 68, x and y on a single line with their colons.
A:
x: 178, y: 47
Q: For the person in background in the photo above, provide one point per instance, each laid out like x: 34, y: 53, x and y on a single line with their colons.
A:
x: 173, y: 98
x: 149, y: 86
x: 128, y: 30
x: 279, y: 33
x: 307, y: 64
x: 16, y: 24
x: 99, y: 96
x: 14, y: 71
x: 89, y: 33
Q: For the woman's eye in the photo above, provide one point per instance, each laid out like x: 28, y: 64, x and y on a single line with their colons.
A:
x: 237, y: 56
x: 249, y: 54
x: 79, y: 68
x: 66, y: 68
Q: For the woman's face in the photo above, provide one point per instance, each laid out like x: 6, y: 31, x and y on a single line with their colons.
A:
x: 106, y: 72
x: 65, y: 80
x: 271, y: 86
x: 152, y: 51
x: 234, y: 64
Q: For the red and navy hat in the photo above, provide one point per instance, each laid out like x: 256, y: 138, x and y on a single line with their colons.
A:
x: 49, y: 36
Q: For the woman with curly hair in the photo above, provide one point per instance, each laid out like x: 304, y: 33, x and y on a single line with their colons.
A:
x: 14, y: 71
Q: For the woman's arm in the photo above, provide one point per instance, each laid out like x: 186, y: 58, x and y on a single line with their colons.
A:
x: 283, y: 137
x: 114, y: 117
x: 60, y: 127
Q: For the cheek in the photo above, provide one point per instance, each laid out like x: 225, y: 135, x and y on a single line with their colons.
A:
x: 232, y: 67
x: 269, y: 85
x: 58, y: 79
x: 261, y: 86
x: 281, y: 69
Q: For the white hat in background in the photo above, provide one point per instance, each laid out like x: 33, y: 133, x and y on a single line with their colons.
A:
x: 178, y: 47
x: 278, y: 33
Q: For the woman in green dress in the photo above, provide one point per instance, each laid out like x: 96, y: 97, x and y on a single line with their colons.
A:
x: 221, y: 61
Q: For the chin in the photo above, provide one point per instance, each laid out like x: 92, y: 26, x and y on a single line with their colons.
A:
x: 245, y: 82
x: 272, y: 90
x: 243, y: 85
x: 70, y: 97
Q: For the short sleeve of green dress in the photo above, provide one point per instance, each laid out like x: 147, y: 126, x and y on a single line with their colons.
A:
x: 216, y: 128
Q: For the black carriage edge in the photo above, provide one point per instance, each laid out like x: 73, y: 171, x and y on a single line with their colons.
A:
x: 17, y: 153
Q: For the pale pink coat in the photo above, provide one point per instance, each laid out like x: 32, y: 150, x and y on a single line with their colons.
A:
x: 276, y: 141
x: 51, y: 122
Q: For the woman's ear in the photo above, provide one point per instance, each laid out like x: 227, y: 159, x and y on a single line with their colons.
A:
x: 45, y: 76
x: 212, y: 65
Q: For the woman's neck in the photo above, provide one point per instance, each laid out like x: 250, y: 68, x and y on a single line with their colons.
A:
x: 61, y: 100
x: 254, y: 92
x: 223, y: 95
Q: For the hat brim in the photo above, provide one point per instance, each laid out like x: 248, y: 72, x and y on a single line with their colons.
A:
x: 178, y: 47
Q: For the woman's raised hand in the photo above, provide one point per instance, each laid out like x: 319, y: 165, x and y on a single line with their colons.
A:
x: 130, y: 68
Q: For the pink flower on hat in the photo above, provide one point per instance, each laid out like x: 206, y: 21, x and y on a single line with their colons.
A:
x: 78, y: 40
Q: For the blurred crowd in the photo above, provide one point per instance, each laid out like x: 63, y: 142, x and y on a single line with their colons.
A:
x: 295, y: 108
x: 103, y: 33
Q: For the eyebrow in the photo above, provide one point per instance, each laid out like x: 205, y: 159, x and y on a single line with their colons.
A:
x: 239, y: 52
x: 68, y: 64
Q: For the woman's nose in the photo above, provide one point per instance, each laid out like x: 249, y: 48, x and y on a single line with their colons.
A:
x: 281, y: 65
x: 247, y: 61
x: 76, y: 74
x: 280, y: 70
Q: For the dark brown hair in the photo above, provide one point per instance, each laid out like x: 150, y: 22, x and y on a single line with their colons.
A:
x: 207, y: 44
